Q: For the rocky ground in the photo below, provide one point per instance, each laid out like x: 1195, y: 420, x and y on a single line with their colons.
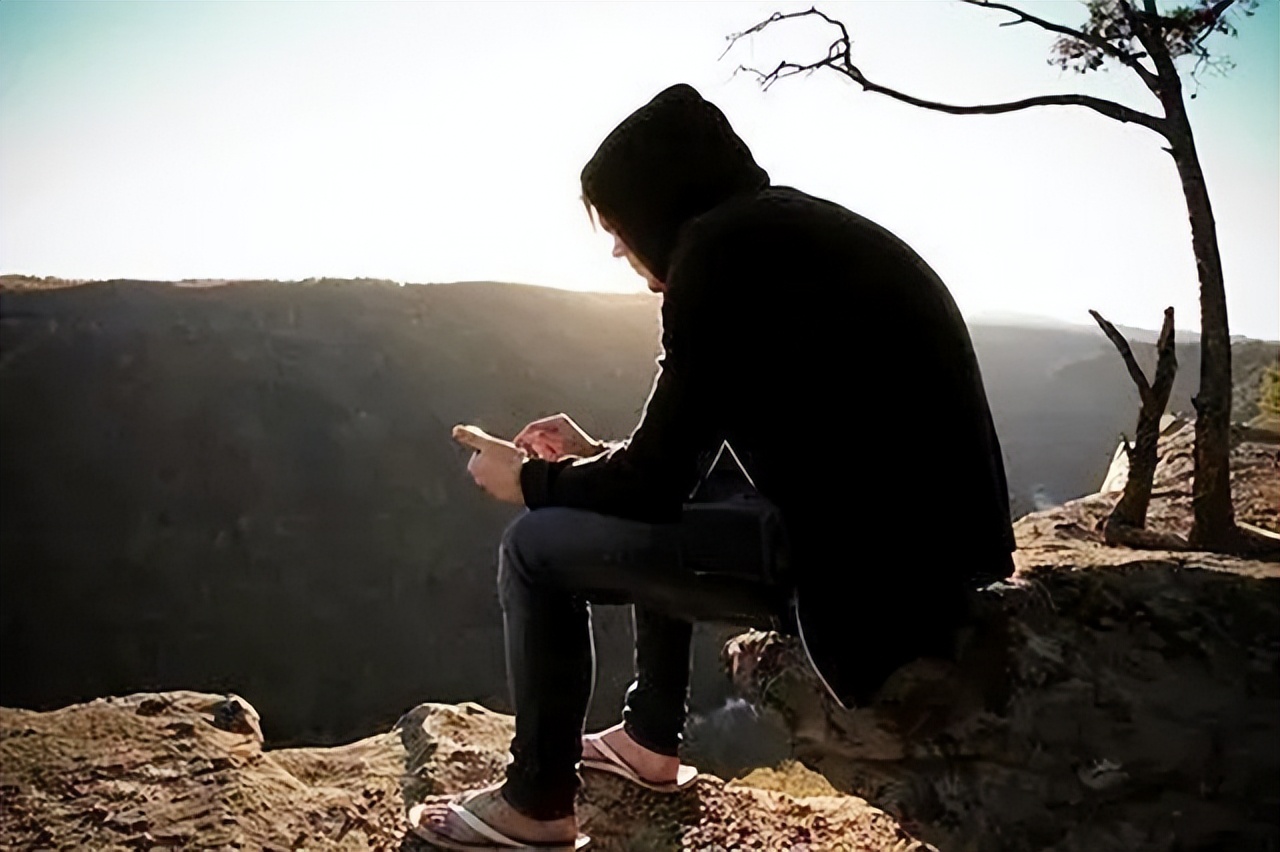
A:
x: 1070, y: 535
x: 187, y: 770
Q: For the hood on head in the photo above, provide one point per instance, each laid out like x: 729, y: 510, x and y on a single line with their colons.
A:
x: 671, y: 160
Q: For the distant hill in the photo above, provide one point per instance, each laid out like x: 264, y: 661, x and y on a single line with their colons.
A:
x: 250, y: 486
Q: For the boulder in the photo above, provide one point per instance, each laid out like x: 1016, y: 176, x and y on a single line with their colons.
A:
x: 1103, y: 699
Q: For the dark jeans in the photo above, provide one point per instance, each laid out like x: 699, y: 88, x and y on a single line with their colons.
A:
x: 552, y: 564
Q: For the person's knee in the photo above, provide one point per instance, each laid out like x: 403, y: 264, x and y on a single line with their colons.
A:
x: 524, y: 554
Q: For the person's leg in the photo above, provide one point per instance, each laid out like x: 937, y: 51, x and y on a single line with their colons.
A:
x: 550, y: 671
x: 722, y: 540
x: 550, y: 665
x: 654, y: 711
x: 551, y: 562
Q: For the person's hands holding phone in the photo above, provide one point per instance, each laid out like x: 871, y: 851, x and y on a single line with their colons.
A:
x: 495, y: 464
x: 555, y: 437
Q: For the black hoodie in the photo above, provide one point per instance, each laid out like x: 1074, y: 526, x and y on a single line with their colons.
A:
x: 835, y: 363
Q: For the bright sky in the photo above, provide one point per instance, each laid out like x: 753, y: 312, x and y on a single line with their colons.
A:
x: 431, y: 142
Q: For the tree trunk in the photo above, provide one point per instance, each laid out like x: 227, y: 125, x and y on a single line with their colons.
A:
x: 1213, y: 527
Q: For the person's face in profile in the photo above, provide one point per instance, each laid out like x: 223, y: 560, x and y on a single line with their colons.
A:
x: 621, y: 249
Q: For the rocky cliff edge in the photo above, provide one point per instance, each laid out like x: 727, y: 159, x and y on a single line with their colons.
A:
x: 186, y: 770
x: 1104, y: 699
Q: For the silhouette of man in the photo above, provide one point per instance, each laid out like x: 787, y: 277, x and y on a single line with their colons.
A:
x: 870, y: 495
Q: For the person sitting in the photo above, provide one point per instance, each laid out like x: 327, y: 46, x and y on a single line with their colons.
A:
x: 816, y: 349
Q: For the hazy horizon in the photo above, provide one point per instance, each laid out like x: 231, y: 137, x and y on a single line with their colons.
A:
x: 443, y: 141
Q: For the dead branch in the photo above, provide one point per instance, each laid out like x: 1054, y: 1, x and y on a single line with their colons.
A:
x: 1122, y: 345
x: 782, y: 16
x: 1125, y: 525
x: 839, y: 59
x: 1166, y: 362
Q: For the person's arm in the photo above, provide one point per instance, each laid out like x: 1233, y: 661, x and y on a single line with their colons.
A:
x: 648, y: 476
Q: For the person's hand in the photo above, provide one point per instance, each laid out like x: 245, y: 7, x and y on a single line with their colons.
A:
x: 495, y: 466
x: 552, y: 438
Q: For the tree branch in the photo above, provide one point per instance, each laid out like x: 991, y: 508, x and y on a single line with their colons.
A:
x: 1135, y: 372
x: 1167, y: 363
x: 780, y: 16
x: 1214, y: 13
x: 1125, y: 57
x: 838, y: 59
x: 1196, y: 46
x: 1110, y: 109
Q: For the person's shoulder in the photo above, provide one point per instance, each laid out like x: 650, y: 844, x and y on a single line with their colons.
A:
x: 764, y: 203
x: 745, y: 239
x: 774, y: 211
x: 832, y: 224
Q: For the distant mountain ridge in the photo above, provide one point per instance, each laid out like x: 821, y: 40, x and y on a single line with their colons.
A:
x: 1131, y: 332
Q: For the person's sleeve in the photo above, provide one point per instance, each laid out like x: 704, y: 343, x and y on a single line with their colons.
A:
x: 648, y: 476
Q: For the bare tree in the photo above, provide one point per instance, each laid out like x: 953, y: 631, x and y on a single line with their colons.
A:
x: 1128, y: 520
x: 1148, y: 44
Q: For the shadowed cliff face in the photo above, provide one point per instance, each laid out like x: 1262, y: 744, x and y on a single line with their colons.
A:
x: 251, y: 487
